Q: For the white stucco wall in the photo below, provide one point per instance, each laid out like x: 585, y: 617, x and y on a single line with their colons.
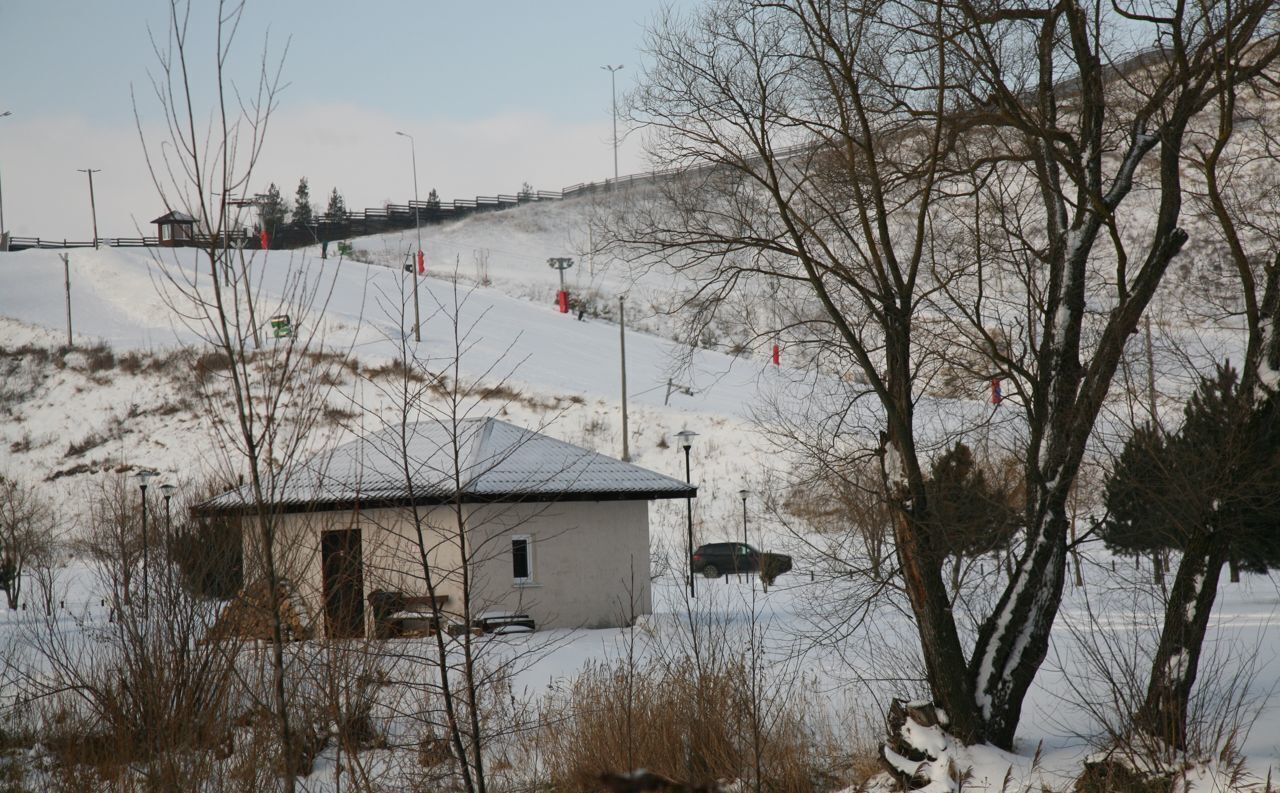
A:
x: 590, y: 561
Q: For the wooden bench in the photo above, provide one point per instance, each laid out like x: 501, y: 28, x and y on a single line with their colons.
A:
x: 399, y: 614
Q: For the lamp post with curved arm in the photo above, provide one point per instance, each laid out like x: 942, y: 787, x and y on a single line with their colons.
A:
x: 417, y: 224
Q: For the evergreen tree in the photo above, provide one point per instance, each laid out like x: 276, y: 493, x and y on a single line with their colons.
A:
x: 1216, y: 474
x: 302, y: 212
x: 433, y: 199
x: 968, y: 515
x: 272, y: 211
x: 337, y: 209
x: 1210, y: 491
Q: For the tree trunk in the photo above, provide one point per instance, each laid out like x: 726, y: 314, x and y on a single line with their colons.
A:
x: 1173, y: 671
x: 1015, y: 638
x: 939, y: 642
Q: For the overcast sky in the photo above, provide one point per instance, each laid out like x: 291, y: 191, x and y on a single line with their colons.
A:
x: 494, y: 93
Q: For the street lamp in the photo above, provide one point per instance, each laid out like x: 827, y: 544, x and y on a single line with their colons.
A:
x: 686, y: 440
x: 166, y: 490
x: 413, y: 151
x: 742, y: 494
x: 613, y: 83
x: 144, y: 478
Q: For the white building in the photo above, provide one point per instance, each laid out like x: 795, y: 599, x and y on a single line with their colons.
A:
x: 548, y: 529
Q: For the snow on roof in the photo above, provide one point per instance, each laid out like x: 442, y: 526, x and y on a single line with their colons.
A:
x: 174, y: 216
x: 497, y: 462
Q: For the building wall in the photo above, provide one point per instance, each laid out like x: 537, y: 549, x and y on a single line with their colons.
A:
x: 590, y: 562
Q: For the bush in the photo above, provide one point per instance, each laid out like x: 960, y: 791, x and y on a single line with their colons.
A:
x: 694, y: 726
x: 210, y: 556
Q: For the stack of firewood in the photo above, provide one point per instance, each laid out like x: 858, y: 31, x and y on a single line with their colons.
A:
x: 248, y: 615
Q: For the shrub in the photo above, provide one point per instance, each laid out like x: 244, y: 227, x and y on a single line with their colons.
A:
x: 99, y: 358
x: 209, y: 554
x: 686, y: 724
x: 91, y: 441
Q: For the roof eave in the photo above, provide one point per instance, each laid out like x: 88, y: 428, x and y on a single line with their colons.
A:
x: 391, y: 502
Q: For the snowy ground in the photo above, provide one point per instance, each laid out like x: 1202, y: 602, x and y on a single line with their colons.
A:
x: 118, y: 298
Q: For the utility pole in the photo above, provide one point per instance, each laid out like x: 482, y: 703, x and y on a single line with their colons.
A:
x: 622, y: 347
x: 66, y: 273
x: 418, y: 264
x: 3, y: 239
x: 613, y: 83
x: 93, y: 207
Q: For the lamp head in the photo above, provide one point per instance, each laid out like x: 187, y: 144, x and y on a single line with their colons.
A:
x: 686, y: 438
x: 145, y: 477
x: 167, y: 488
x: 743, y: 493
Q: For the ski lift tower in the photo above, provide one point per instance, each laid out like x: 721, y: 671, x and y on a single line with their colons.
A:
x: 562, y: 297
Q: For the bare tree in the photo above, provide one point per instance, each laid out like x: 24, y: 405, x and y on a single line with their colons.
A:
x: 843, y: 151
x: 27, y: 527
x: 264, y: 402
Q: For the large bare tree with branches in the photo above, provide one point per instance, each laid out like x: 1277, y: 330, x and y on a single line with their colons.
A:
x: 882, y: 163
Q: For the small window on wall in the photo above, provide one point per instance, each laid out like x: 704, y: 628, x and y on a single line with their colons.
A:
x: 522, y: 558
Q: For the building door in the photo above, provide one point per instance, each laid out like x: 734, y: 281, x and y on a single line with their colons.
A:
x: 343, y: 584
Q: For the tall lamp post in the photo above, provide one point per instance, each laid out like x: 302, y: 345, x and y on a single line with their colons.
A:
x: 144, y: 478
x: 417, y: 264
x: 686, y: 440
x: 166, y: 490
x: 742, y: 494
x: 613, y: 84
x: 93, y: 206
x: 3, y: 246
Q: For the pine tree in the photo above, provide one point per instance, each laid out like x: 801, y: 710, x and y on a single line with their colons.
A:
x: 1212, y: 492
x: 337, y: 209
x: 968, y: 515
x: 272, y: 212
x: 1215, y: 474
x: 433, y: 199
x: 302, y: 212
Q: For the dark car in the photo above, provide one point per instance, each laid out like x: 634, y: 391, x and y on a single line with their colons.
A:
x: 715, y: 558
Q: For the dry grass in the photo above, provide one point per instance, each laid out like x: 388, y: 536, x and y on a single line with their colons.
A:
x: 696, y: 727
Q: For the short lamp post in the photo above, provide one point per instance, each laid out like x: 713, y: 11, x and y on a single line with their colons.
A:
x: 144, y: 478
x: 686, y: 441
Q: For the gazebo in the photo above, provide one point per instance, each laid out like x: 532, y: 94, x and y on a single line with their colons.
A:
x: 176, y: 229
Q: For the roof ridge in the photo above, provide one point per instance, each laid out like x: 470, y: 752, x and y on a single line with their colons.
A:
x: 478, y: 443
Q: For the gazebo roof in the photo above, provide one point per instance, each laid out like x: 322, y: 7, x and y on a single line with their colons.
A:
x: 497, y: 462
x: 174, y: 216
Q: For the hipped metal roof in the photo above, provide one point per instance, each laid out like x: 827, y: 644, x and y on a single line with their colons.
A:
x: 498, y: 462
x: 174, y: 216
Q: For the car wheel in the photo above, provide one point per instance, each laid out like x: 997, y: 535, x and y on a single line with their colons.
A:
x: 710, y: 571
